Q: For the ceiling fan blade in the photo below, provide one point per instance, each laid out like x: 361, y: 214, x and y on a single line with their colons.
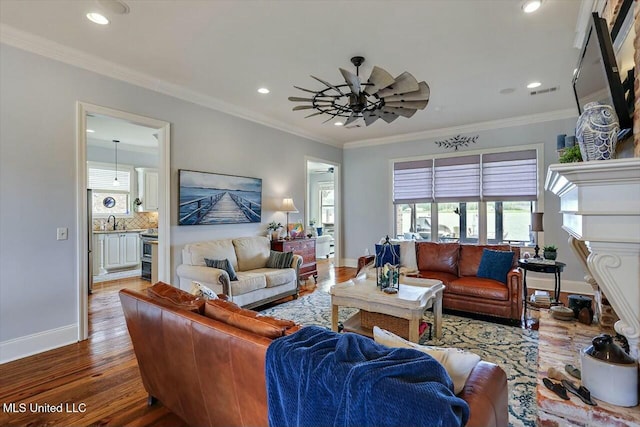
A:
x: 330, y: 118
x: 318, y: 101
x: 421, y: 94
x: 379, y: 79
x: 306, y: 90
x: 314, y: 114
x: 297, y: 99
x: 404, y: 112
x: 370, y: 117
x: 405, y: 82
x: 389, y: 117
x: 328, y: 84
x: 352, y: 80
x: 302, y: 107
x: 420, y: 105
x: 352, y: 118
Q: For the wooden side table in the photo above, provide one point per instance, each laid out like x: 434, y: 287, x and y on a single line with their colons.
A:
x: 530, y: 265
x: 306, y: 248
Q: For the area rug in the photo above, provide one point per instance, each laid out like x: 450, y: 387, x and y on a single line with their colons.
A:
x: 515, y: 350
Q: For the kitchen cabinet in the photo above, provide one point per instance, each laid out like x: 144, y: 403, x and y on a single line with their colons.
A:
x: 120, y: 250
x: 147, y: 189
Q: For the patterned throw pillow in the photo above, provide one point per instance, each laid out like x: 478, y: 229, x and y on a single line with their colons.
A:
x: 200, y: 290
x: 495, y: 265
x: 222, y: 264
x: 280, y: 259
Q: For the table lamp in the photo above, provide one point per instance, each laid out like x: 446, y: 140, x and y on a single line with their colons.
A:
x: 288, y: 207
x: 536, y: 225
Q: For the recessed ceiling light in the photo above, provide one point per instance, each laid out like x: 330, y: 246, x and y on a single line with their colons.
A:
x: 90, y: 131
x: 264, y: 90
x: 338, y: 124
x: 97, y: 18
x: 531, y: 6
x: 534, y: 85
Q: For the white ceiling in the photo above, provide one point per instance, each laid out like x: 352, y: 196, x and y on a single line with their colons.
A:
x: 220, y: 52
x: 106, y: 129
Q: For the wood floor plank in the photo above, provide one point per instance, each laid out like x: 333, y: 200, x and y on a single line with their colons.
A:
x: 101, y: 372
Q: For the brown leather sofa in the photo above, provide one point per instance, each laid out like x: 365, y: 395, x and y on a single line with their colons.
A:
x: 211, y: 373
x: 457, y: 266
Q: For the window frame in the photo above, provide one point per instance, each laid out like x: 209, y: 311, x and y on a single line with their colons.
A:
x: 131, y: 192
x: 537, y: 205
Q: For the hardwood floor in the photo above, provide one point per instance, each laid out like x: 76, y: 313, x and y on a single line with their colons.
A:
x: 96, y: 382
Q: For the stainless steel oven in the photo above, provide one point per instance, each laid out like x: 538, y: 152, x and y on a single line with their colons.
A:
x: 145, y: 256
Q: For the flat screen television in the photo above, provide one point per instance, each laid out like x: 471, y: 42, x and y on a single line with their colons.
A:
x: 597, y: 77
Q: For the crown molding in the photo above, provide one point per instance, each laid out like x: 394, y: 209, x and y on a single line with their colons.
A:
x: 49, y: 49
x: 471, y: 127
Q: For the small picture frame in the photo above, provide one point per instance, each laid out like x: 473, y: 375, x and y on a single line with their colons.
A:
x: 296, y: 230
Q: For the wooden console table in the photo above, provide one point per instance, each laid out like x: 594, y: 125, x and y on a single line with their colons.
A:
x: 559, y: 344
x: 306, y: 248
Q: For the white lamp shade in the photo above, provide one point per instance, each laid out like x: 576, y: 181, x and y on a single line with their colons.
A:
x: 288, y: 206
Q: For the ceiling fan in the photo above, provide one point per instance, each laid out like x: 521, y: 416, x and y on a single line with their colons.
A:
x: 381, y: 97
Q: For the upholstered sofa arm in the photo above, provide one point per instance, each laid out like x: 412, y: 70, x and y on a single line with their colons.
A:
x: 363, y: 261
x: 214, y: 278
x: 295, y: 264
x: 514, y: 281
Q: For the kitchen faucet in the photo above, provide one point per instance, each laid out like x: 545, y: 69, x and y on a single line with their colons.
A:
x: 114, y: 221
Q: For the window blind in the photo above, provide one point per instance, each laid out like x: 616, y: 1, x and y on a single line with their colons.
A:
x: 457, y: 179
x: 413, y: 182
x: 102, y: 179
x: 510, y: 176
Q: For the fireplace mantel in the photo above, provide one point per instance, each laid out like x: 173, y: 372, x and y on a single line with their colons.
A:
x: 600, y: 204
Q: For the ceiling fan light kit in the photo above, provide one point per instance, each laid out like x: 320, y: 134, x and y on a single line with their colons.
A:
x: 381, y: 97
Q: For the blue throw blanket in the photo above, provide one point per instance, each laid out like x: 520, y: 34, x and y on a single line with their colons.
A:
x: 316, y: 377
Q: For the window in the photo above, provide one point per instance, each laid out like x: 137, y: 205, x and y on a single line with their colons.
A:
x: 327, y: 205
x: 100, y: 177
x: 484, y: 197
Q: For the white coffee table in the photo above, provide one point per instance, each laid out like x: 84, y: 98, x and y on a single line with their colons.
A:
x: 409, y: 303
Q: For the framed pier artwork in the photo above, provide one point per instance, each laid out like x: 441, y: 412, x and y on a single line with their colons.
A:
x: 210, y: 198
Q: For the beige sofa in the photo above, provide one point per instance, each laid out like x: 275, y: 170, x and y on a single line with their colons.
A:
x: 256, y: 284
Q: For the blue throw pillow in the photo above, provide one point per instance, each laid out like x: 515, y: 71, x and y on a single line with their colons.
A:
x: 495, y: 265
x: 387, y: 254
x: 280, y: 259
x: 222, y: 264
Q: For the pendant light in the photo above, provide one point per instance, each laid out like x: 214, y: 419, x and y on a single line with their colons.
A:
x: 116, y: 183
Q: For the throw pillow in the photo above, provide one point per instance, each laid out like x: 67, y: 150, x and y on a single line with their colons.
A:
x: 248, y: 320
x: 200, y: 290
x: 176, y: 297
x: 495, y: 265
x: 387, y: 254
x: 458, y: 363
x: 222, y: 264
x: 280, y: 259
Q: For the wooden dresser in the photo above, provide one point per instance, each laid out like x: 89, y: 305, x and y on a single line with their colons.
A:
x: 306, y: 248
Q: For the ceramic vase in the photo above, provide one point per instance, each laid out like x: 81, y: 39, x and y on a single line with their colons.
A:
x: 597, y: 132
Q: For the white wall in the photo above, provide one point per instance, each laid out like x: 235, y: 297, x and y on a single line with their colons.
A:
x: 38, y: 182
x: 126, y: 157
x: 367, y: 186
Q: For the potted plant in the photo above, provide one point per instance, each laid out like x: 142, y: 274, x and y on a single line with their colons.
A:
x: 550, y: 252
x: 274, y: 228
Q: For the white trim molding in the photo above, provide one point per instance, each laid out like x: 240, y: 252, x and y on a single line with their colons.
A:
x: 49, y: 49
x: 471, y: 127
x: 28, y: 345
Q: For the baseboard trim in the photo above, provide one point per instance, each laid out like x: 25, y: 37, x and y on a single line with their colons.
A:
x: 350, y: 262
x: 28, y: 345
x: 566, y: 286
x: 117, y: 275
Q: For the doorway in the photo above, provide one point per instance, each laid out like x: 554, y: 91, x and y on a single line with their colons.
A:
x: 117, y: 152
x: 323, y: 208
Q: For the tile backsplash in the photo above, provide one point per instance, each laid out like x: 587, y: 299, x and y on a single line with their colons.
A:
x: 139, y: 220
